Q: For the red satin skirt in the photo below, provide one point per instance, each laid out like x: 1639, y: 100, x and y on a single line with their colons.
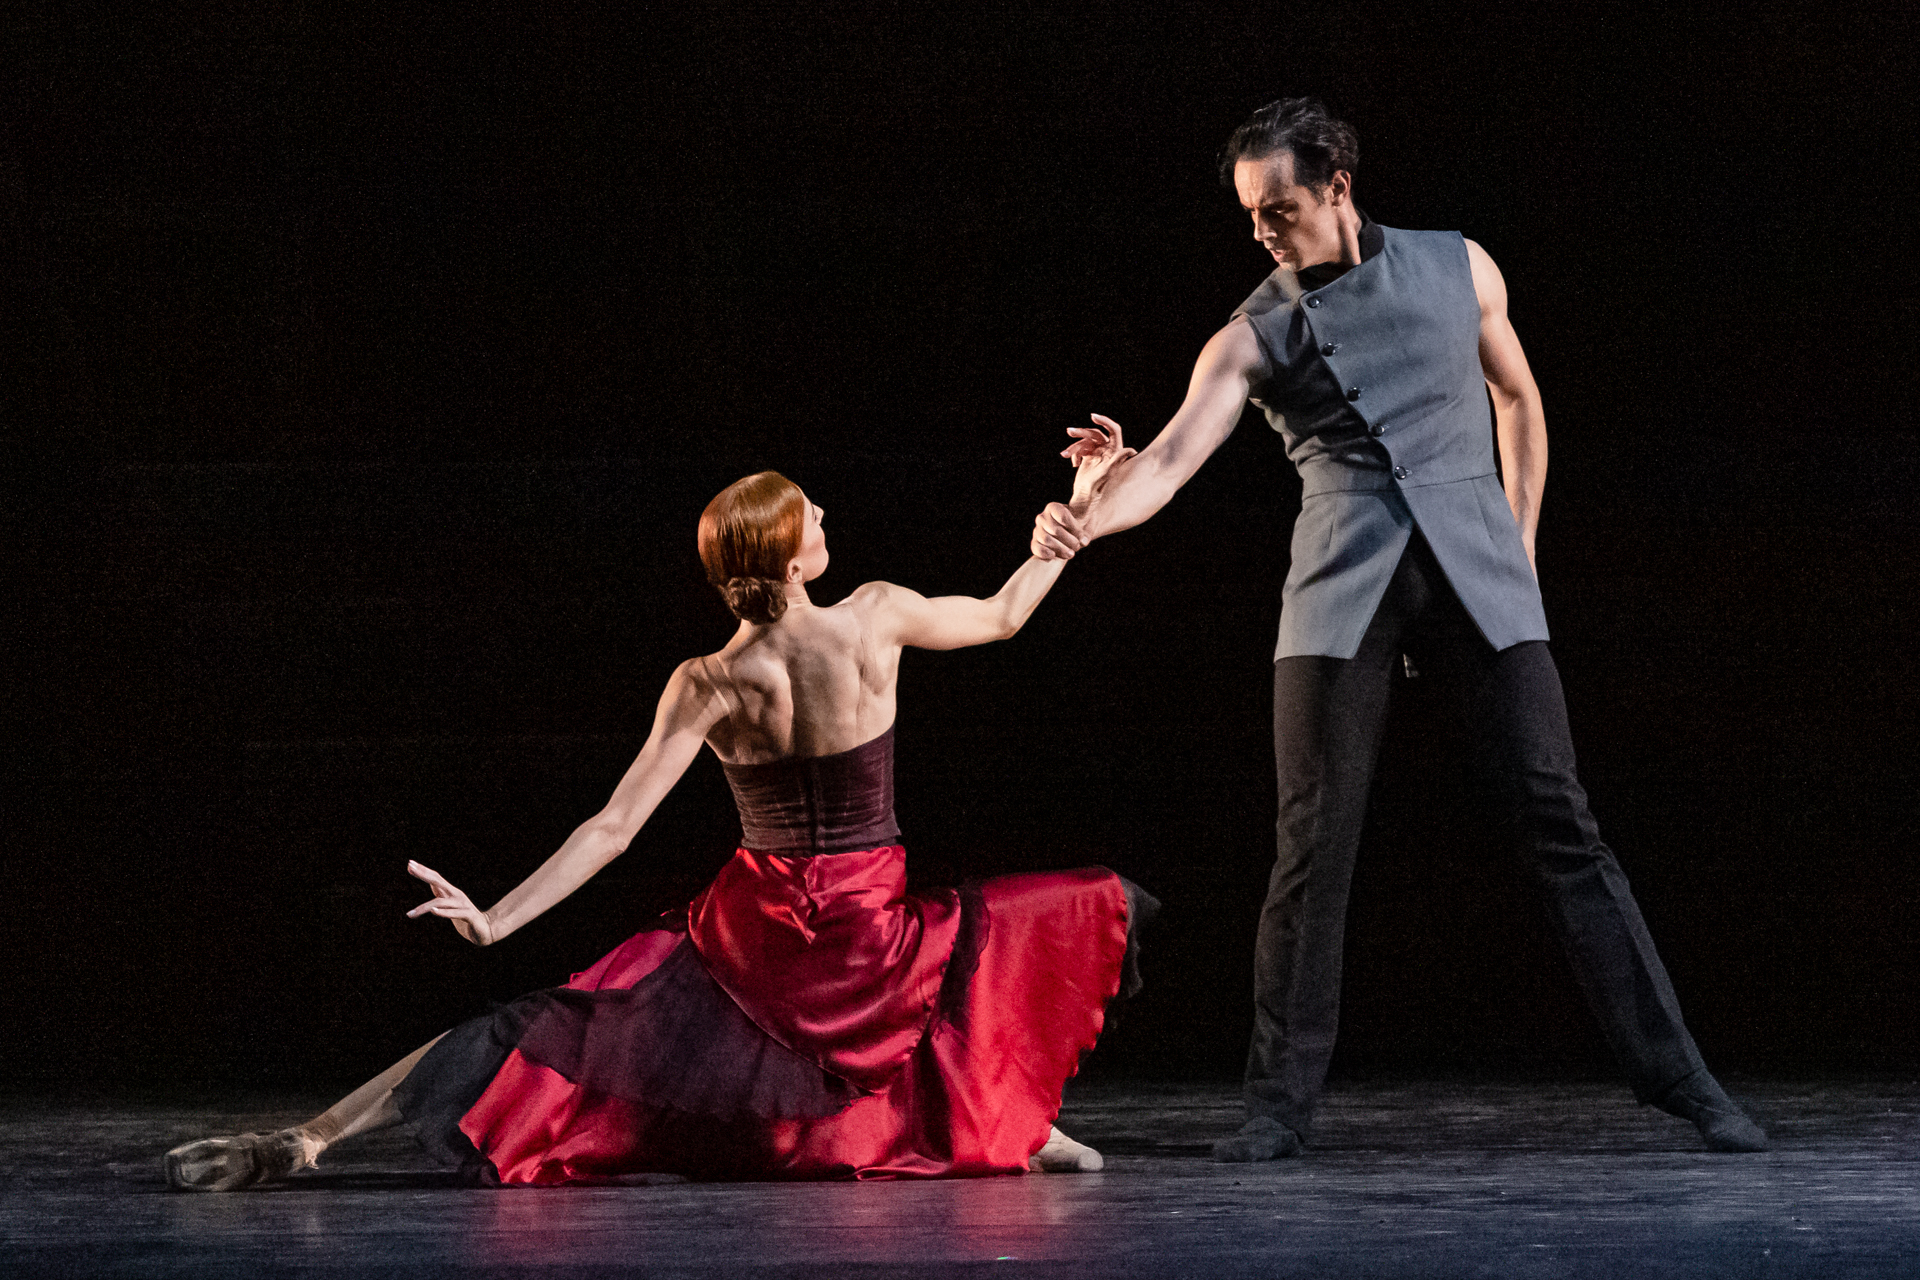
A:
x: 955, y: 1024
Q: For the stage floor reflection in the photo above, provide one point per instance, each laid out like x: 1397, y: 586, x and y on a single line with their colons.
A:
x: 1408, y: 1178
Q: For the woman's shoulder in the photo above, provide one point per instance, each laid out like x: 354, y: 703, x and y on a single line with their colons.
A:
x: 693, y: 699
x: 700, y: 676
x: 878, y: 594
x: 716, y: 675
x: 879, y: 609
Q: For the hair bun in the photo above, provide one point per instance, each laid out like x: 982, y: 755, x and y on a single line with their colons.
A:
x: 760, y: 600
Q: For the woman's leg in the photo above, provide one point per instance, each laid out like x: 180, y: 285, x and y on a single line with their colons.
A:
x: 247, y: 1159
x: 367, y: 1108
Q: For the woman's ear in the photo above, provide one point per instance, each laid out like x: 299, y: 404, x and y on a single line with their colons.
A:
x: 794, y: 572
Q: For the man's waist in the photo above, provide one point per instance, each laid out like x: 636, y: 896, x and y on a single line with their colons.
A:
x: 1347, y: 471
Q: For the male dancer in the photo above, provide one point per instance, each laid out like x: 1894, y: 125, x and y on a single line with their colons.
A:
x: 1372, y: 351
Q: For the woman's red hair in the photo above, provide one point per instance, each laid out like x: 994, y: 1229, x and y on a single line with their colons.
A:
x: 748, y: 536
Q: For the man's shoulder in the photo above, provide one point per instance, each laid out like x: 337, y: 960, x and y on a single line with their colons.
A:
x: 1401, y: 240
x: 1406, y: 235
x: 1277, y: 290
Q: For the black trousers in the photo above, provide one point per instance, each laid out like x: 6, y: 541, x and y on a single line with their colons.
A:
x: 1327, y: 718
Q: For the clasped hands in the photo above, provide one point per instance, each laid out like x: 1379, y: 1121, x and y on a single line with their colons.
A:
x: 1061, y: 529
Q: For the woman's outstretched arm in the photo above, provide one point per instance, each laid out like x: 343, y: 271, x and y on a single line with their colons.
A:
x: 689, y: 707
x: 955, y: 622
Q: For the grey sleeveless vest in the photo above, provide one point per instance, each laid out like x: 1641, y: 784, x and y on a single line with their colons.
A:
x: 1374, y: 382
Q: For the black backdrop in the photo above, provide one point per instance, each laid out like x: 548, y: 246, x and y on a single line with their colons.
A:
x: 370, y: 375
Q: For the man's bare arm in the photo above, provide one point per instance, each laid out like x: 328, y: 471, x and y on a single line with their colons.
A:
x: 1138, y: 487
x: 1520, y: 423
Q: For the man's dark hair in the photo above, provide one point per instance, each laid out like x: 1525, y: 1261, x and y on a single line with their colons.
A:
x: 1321, y: 145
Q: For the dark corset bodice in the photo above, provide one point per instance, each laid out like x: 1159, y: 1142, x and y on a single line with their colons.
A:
x: 822, y: 804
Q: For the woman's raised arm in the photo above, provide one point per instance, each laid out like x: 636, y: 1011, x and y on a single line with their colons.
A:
x: 904, y: 616
x: 955, y: 622
x: 688, y: 709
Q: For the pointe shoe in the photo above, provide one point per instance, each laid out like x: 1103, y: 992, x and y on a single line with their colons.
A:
x: 1261, y: 1138
x: 1700, y: 1099
x: 228, y: 1164
x: 1062, y: 1154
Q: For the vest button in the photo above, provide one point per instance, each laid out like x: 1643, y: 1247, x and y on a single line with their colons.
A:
x: 1353, y: 393
x: 1400, y: 473
x: 1329, y: 349
x: 1376, y: 430
x: 1313, y: 302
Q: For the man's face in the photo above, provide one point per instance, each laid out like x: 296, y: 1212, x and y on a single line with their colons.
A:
x: 1300, y: 227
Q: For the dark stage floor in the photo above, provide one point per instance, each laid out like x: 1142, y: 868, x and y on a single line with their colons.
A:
x: 1408, y: 1179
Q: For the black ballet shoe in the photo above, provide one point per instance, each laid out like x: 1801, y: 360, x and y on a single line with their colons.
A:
x: 1700, y: 1099
x: 229, y: 1164
x: 1262, y: 1138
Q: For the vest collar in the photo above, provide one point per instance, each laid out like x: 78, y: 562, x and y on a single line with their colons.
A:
x: 1322, y: 274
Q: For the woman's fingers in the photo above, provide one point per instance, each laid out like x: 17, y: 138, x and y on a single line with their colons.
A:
x: 1060, y: 528
x: 450, y: 904
x: 440, y: 884
x: 447, y: 901
x: 420, y: 871
x: 1051, y: 540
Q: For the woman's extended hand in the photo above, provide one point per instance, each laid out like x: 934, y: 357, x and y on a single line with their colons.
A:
x: 453, y: 905
x: 1095, y: 451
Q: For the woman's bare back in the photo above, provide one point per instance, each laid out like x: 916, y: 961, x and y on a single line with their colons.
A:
x: 814, y: 683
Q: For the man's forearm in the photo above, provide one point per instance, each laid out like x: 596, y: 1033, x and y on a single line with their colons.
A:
x: 1136, y: 489
x: 1522, y: 433
x: 1139, y: 486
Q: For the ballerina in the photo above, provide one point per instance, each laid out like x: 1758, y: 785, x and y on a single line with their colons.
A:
x: 805, y: 1016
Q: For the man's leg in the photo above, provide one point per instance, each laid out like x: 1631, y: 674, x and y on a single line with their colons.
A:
x: 1516, y: 707
x: 1327, y: 716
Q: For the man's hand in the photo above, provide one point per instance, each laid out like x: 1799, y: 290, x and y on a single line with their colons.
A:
x: 1094, y: 453
x: 1125, y: 489
x: 1060, y: 530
